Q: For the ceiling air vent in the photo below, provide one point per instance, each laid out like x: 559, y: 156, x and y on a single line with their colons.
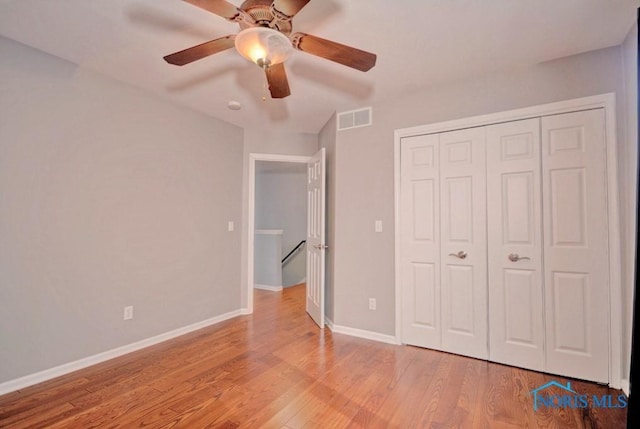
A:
x: 354, y: 119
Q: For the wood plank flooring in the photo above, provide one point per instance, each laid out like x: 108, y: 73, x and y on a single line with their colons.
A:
x: 276, y: 369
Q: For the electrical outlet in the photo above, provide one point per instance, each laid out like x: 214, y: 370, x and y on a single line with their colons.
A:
x: 372, y: 303
x: 230, y: 226
x: 128, y: 312
x: 378, y: 226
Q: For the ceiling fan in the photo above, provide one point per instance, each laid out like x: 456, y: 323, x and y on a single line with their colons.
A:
x: 266, y: 39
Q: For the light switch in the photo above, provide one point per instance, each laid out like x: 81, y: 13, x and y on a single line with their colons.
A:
x: 230, y: 226
x: 378, y: 226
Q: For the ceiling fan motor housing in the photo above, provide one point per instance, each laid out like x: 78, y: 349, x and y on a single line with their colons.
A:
x: 265, y: 15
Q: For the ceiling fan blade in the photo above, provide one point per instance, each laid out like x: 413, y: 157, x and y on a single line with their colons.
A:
x: 337, y: 52
x: 203, y: 50
x: 278, y: 83
x: 289, y: 7
x: 219, y: 7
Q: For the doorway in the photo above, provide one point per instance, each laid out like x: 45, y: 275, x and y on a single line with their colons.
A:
x: 260, y: 164
x: 280, y: 222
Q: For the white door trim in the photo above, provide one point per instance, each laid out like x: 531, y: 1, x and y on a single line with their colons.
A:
x: 606, y: 101
x: 253, y: 158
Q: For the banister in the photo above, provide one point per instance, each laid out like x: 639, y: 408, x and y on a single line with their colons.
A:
x: 293, y: 251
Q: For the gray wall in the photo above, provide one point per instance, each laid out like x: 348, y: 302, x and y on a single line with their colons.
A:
x: 268, y: 252
x: 281, y: 203
x: 364, y: 162
x: 108, y: 197
x: 327, y: 140
x: 628, y: 165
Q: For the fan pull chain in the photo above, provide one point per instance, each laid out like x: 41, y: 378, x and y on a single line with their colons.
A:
x: 265, y: 88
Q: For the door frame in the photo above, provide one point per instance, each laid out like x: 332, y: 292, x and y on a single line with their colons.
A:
x: 253, y: 158
x: 605, y: 101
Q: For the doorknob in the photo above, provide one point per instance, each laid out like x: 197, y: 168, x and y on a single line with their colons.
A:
x: 460, y: 255
x: 514, y: 257
x: 321, y: 246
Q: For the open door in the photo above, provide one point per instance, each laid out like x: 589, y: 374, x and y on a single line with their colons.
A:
x: 316, y: 246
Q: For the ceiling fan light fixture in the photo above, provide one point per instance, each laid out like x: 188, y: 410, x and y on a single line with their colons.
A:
x: 263, y: 46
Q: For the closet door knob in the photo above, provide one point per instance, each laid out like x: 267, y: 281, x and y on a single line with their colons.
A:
x: 514, y: 257
x: 460, y: 255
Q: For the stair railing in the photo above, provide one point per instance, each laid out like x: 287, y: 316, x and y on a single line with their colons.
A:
x: 295, y: 249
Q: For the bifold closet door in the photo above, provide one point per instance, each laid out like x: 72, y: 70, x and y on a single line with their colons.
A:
x: 576, y: 260
x: 443, y: 242
x: 514, y: 214
x: 420, y: 247
x: 463, y: 242
x: 504, y: 243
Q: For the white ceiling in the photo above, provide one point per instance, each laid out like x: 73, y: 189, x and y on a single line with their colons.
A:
x: 419, y: 43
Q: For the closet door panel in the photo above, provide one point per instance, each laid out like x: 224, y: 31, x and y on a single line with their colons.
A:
x: 420, y: 247
x: 515, y: 244
x: 576, y: 245
x: 463, y: 242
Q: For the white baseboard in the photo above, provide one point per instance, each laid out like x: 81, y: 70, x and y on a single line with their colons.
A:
x: 48, y: 374
x: 296, y: 283
x: 361, y: 333
x: 329, y: 323
x: 624, y: 385
x: 268, y: 287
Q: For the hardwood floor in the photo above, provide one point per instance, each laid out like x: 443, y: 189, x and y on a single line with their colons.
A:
x: 275, y: 369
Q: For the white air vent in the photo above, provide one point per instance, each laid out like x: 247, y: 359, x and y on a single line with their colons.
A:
x: 354, y: 119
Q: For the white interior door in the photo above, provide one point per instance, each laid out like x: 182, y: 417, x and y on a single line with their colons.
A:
x: 420, y: 243
x: 514, y: 214
x: 316, y: 246
x: 463, y: 242
x: 576, y: 245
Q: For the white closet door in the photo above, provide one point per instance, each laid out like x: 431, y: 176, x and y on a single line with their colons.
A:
x: 514, y: 216
x: 576, y: 242
x: 420, y: 249
x: 463, y: 242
